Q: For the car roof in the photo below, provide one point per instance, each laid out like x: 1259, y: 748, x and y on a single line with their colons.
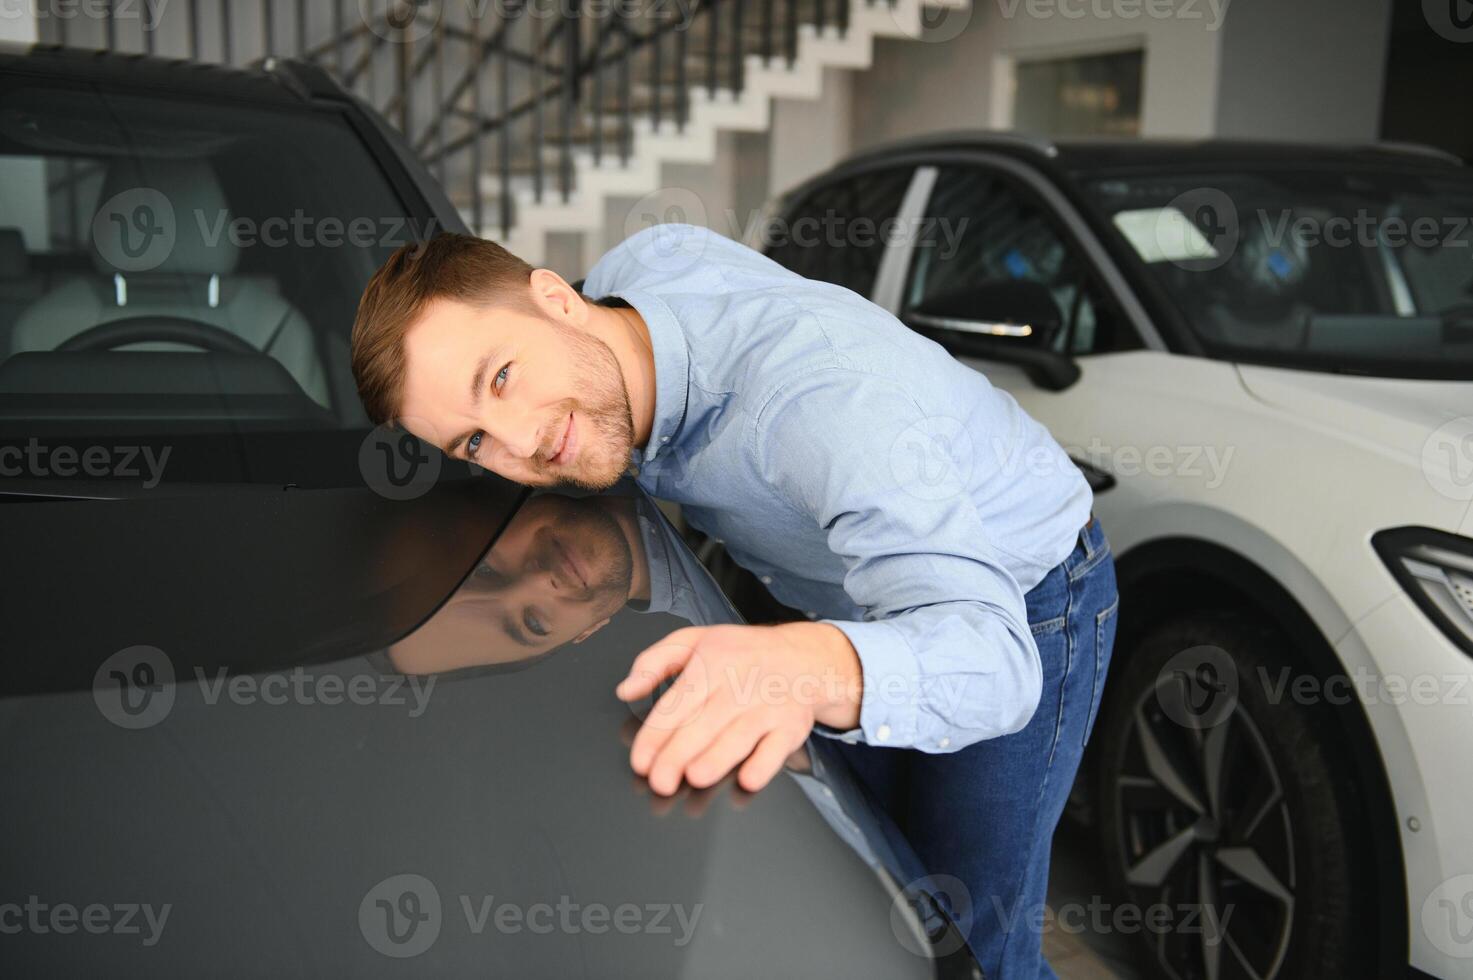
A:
x: 274, y: 81
x: 1091, y: 155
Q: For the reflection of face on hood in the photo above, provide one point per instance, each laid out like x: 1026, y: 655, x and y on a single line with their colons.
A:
x: 561, y: 568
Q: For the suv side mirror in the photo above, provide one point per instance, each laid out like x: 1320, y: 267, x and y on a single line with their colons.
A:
x: 1013, y: 321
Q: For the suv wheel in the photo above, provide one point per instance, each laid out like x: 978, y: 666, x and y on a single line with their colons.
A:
x: 1227, y: 821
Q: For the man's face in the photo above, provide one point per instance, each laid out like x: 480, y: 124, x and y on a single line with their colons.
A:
x: 558, y: 571
x: 527, y: 396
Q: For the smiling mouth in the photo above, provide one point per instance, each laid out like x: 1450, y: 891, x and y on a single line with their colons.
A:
x: 567, y: 445
x: 570, y: 565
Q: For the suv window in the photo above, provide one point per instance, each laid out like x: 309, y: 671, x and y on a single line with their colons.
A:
x: 1352, y: 269
x: 837, y: 232
x: 981, y: 228
x: 173, y: 270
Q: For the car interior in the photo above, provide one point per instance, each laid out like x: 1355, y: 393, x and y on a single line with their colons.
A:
x: 168, y: 266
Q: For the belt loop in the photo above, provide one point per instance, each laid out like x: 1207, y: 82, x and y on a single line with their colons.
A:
x: 1085, y: 538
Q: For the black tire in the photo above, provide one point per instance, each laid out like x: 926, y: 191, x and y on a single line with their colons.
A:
x: 1216, y: 787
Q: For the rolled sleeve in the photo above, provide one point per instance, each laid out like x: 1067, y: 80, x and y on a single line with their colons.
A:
x: 946, y: 652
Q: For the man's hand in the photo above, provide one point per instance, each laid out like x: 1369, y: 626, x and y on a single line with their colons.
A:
x: 746, y: 696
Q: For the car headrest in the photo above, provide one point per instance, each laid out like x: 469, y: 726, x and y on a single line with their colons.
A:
x: 169, y: 215
x: 15, y: 262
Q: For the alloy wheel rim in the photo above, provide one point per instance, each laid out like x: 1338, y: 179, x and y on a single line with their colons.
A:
x: 1203, y: 828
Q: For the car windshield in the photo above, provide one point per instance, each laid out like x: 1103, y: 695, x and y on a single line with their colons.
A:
x: 1360, y: 271
x: 173, y: 269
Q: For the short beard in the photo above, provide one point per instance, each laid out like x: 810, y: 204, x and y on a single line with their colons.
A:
x: 603, y: 456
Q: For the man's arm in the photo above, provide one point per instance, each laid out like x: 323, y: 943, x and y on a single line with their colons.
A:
x: 947, y: 655
x: 944, y: 657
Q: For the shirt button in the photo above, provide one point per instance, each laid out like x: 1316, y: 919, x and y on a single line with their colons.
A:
x: 883, y: 733
x: 811, y: 614
x: 664, y: 438
x: 767, y: 580
x: 944, y: 743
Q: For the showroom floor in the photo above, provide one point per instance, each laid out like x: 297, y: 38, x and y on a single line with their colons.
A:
x: 1076, y: 877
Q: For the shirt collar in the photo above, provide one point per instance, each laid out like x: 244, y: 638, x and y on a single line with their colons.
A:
x: 672, y: 369
x: 661, y: 574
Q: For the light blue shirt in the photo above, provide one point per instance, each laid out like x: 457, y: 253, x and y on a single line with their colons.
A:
x: 867, y: 477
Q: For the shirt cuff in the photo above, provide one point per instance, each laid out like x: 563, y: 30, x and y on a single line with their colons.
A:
x: 890, y: 711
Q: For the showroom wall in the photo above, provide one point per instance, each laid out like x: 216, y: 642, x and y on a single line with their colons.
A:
x: 16, y: 23
x: 910, y: 90
x: 1311, y: 70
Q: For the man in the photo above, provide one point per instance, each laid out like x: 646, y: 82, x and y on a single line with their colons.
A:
x: 959, y: 597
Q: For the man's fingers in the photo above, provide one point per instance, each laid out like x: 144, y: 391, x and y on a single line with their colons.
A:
x: 734, y: 744
x: 668, y: 765
x: 677, y: 708
x: 766, y: 761
x: 657, y: 663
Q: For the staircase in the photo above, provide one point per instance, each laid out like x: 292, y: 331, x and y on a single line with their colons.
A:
x: 535, y: 114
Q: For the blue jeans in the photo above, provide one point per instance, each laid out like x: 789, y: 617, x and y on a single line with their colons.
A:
x: 985, y: 816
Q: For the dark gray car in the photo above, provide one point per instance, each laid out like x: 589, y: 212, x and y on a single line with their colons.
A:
x: 285, y: 696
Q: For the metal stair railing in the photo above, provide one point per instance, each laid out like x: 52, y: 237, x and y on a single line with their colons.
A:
x: 453, y: 74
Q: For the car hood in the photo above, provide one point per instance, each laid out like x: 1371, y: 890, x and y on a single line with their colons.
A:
x: 1426, y: 424
x: 228, y: 717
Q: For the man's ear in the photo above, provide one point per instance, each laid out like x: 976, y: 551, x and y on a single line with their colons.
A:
x: 556, y: 298
x: 591, y: 630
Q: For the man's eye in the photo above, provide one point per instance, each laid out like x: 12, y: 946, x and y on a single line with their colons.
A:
x: 499, y: 381
x: 534, y: 625
x: 473, y: 445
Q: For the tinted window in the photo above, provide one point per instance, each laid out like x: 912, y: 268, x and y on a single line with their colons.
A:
x: 175, y: 270
x: 984, y: 230
x: 1348, y: 270
x: 837, y: 233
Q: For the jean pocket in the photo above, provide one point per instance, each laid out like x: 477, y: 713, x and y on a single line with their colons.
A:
x: 1105, y: 621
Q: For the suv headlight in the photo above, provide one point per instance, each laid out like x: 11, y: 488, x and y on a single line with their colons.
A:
x: 1436, y: 569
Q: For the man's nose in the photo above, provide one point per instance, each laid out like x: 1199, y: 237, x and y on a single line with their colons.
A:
x: 516, y: 434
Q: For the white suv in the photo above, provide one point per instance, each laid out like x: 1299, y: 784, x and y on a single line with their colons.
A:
x: 1262, y: 356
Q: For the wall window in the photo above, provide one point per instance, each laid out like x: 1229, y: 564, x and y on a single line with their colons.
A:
x: 1089, y: 95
